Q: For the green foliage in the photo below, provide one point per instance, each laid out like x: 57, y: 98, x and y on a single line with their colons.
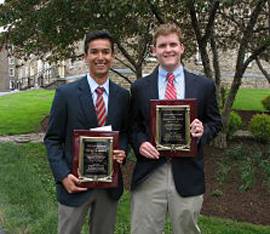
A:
x: 234, y: 124
x: 247, y: 174
x: 223, y: 171
x: 216, y: 193
x: 266, y: 103
x: 248, y: 161
x: 236, y: 153
x: 23, y: 112
x: 260, y: 127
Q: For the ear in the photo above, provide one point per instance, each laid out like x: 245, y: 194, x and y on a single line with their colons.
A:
x: 182, y: 47
x: 153, y: 50
x: 85, y: 58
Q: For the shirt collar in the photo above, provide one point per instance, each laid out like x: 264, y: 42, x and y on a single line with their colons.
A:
x: 93, y: 84
x: 178, y: 73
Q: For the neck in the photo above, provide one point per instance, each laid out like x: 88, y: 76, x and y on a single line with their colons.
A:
x: 100, y: 79
x: 170, y: 69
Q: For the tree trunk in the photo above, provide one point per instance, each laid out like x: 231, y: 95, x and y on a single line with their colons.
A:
x: 220, y: 141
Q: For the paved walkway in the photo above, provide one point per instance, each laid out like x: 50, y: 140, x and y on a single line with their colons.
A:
x: 23, y: 138
x: 38, y: 137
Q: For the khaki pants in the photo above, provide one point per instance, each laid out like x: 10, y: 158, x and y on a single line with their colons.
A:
x: 102, y: 215
x: 156, y: 197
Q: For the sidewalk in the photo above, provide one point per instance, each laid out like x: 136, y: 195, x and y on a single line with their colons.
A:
x: 23, y: 138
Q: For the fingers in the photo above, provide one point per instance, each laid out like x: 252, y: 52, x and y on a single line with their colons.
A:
x: 70, y: 183
x: 196, y: 128
x: 149, y: 151
x: 119, y: 156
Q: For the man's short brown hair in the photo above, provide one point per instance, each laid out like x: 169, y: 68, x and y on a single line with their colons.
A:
x: 166, y: 29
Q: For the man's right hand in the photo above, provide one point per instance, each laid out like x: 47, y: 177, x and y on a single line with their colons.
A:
x: 70, y: 183
x: 148, y: 150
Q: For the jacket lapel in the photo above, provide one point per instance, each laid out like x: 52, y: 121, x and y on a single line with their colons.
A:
x: 86, y: 102
x: 112, y: 102
x: 152, y: 86
x: 189, y: 85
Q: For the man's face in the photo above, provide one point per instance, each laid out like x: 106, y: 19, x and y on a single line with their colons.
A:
x: 168, y: 51
x: 99, y: 58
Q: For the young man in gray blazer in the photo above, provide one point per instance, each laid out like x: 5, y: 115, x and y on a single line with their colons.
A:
x: 162, y: 185
x: 74, y: 108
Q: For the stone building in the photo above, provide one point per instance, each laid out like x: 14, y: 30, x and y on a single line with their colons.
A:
x: 4, y: 71
x: 37, y: 73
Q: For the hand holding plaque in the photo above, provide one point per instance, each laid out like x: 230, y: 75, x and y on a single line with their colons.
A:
x: 93, y: 160
x: 170, y: 127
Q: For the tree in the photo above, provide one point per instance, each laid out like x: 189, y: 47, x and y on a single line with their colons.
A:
x: 220, y: 26
x: 40, y: 27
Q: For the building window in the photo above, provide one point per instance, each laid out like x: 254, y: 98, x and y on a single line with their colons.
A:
x: 11, y: 61
x: 11, y: 72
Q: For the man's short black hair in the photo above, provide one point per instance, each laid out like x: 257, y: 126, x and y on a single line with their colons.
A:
x: 97, y: 35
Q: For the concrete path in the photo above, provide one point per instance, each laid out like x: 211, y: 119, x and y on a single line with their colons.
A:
x: 23, y: 138
x: 6, y: 93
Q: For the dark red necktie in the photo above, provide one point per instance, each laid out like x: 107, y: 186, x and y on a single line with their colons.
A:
x: 100, y: 107
x: 170, y: 92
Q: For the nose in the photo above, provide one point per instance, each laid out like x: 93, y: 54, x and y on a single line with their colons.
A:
x: 100, y: 55
x: 167, y: 48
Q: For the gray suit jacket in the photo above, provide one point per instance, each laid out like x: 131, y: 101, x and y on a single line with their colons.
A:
x: 73, y: 108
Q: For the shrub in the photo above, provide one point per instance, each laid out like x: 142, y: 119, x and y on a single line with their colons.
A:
x: 266, y: 103
x: 260, y: 127
x: 235, y: 123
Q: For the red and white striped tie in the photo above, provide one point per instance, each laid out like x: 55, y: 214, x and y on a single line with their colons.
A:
x: 100, y: 107
x: 170, y: 89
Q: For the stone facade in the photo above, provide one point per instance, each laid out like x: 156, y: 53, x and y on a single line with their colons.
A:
x: 4, y: 76
x: 35, y: 73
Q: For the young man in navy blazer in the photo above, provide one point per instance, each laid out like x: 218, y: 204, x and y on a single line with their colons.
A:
x: 162, y: 185
x: 74, y: 108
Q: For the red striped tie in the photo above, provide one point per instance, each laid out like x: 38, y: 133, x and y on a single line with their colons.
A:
x: 100, y: 107
x: 170, y: 89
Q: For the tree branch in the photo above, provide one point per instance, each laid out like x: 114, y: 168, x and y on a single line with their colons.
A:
x: 264, y: 72
x: 125, y: 64
x: 211, y: 21
x: 156, y: 12
x: 120, y: 74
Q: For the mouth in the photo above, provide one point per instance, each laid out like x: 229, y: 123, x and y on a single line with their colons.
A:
x: 169, y: 56
x: 100, y: 65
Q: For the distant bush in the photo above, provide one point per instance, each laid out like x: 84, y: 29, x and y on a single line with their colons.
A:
x: 260, y: 127
x: 235, y: 123
x: 266, y: 103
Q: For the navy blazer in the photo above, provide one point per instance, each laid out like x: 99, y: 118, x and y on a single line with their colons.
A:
x: 188, y: 173
x: 73, y: 108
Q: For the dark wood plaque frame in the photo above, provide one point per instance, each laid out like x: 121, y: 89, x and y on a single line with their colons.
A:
x: 77, y: 135
x: 173, y: 152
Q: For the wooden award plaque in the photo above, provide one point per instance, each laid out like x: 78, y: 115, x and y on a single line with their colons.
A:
x: 170, y: 127
x: 93, y: 160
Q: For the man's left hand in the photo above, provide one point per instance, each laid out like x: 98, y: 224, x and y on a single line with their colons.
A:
x: 196, y: 128
x: 119, y: 156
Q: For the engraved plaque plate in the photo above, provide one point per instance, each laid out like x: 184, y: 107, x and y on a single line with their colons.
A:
x: 170, y: 127
x: 93, y: 160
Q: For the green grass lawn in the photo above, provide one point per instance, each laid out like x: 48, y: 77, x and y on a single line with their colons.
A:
x: 250, y: 99
x: 22, y: 112
x: 28, y: 205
